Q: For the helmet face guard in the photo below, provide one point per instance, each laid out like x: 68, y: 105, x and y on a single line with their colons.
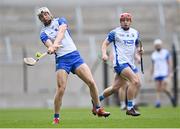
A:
x: 43, y: 9
x: 124, y: 16
x: 39, y: 13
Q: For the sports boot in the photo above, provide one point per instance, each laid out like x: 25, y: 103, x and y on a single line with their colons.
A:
x: 101, y: 112
x: 132, y: 112
x: 56, y: 121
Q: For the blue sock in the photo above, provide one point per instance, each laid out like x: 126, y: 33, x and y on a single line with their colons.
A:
x: 130, y: 104
x: 56, y: 115
x: 97, y: 106
x: 101, y: 97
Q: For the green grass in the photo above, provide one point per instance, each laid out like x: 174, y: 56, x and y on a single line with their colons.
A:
x: 165, y: 117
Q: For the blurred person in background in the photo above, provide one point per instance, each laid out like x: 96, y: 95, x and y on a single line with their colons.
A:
x: 161, y: 71
x: 55, y: 32
x: 125, y: 42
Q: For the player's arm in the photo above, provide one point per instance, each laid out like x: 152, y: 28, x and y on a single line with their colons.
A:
x: 51, y: 48
x: 137, y: 57
x: 110, y: 38
x: 139, y: 47
x: 138, y: 51
x: 151, y: 69
x: 60, y: 35
x: 48, y: 43
x: 104, y: 47
x: 138, y: 44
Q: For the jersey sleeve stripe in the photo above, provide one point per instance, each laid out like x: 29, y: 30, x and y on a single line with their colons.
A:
x: 43, y: 37
x: 111, y: 37
x: 62, y: 21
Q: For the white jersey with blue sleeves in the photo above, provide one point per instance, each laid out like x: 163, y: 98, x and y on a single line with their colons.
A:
x: 124, y: 45
x: 160, y: 62
x: 50, y: 32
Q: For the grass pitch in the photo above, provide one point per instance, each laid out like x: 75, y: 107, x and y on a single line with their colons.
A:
x: 165, y: 117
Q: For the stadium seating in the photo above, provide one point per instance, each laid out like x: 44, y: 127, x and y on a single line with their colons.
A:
x: 18, y: 22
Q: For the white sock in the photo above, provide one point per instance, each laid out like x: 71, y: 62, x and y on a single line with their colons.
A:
x: 123, y: 104
x: 134, y: 102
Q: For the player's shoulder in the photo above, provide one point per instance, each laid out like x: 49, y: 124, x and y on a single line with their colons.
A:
x: 154, y: 53
x: 166, y: 51
x: 58, y: 21
x: 133, y: 30
x: 61, y: 20
x: 115, y: 30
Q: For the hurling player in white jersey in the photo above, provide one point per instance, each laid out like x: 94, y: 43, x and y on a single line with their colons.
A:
x: 125, y: 43
x: 54, y: 33
x: 161, y: 70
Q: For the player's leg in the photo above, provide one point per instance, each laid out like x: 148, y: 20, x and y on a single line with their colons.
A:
x: 136, y: 94
x: 106, y: 93
x: 166, y: 89
x: 158, y: 91
x: 122, y: 96
x: 84, y: 73
x: 134, y: 84
x: 62, y: 76
x: 117, y: 83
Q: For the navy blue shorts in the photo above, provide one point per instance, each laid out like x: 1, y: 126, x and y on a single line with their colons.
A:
x: 69, y: 62
x: 160, y: 78
x: 118, y: 69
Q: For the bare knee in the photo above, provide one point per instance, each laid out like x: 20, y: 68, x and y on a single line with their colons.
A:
x: 60, y: 89
x: 123, y: 88
x: 159, y: 89
x: 164, y: 88
x: 136, y: 83
x: 91, y: 83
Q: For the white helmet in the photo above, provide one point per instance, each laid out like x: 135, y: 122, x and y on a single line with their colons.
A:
x: 43, y: 9
x: 158, y: 42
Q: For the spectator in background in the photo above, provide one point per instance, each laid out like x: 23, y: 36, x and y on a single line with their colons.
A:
x: 161, y: 71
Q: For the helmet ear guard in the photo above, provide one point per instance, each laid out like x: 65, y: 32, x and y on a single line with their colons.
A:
x: 124, y: 16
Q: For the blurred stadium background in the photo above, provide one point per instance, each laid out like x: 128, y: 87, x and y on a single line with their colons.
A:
x: 89, y: 21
